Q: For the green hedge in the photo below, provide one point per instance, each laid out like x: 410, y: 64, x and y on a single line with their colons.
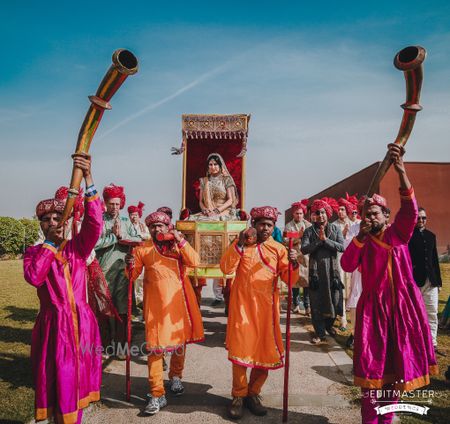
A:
x: 17, y: 234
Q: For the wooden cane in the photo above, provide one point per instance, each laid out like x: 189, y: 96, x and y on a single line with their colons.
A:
x: 290, y: 236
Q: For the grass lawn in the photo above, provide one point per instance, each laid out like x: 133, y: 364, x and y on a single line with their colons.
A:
x: 18, y: 309
x: 440, y: 409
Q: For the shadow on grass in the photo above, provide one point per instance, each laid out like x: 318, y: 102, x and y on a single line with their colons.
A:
x: 436, y: 415
x: 21, y: 314
x: 16, y: 370
x: 15, y: 335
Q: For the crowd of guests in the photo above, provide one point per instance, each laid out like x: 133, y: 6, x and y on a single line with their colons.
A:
x: 385, y: 274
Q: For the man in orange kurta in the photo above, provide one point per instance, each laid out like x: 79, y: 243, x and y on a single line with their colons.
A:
x: 253, y: 333
x: 171, y: 313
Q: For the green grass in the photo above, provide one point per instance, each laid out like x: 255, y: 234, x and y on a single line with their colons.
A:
x: 440, y: 409
x: 18, y: 309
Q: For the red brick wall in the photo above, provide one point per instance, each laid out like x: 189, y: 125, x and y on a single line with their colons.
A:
x: 431, y: 183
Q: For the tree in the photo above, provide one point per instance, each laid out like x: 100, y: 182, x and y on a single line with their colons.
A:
x: 31, y: 227
x: 16, y: 235
x: 11, y: 236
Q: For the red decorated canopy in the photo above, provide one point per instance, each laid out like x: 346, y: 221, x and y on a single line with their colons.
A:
x: 203, y: 135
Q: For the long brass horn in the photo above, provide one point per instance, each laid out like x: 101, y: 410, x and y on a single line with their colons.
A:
x: 124, y: 64
x: 409, y: 60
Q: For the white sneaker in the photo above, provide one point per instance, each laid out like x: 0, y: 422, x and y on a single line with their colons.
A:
x: 155, y: 404
x: 176, y: 387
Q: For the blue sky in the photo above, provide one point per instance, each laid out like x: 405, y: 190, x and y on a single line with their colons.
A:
x: 317, y: 78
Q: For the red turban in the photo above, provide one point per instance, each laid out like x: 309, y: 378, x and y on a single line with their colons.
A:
x: 375, y: 200
x: 300, y: 205
x: 349, y: 207
x: 166, y: 210
x: 266, y: 212
x: 78, y: 208
x: 352, y: 199
x: 139, y: 209
x: 329, y: 204
x: 155, y: 217
x: 112, y: 192
x: 48, y: 206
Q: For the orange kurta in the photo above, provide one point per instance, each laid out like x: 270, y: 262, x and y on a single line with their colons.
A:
x: 253, y: 332
x: 171, y: 313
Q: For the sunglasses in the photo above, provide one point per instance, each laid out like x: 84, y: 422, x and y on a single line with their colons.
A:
x: 422, y: 218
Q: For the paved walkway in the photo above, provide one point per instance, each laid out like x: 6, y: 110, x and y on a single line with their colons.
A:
x: 320, y: 388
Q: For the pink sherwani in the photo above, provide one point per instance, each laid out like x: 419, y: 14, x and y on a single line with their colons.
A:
x: 392, y: 335
x: 66, y: 346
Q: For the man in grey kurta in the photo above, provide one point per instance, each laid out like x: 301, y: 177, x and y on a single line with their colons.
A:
x: 322, y: 241
x: 111, y: 257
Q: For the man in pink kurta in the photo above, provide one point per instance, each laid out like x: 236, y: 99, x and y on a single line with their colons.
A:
x: 393, y: 347
x: 65, y: 346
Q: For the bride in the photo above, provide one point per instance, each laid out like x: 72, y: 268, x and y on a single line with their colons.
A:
x: 218, y: 192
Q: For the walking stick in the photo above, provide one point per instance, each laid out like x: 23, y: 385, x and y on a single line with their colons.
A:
x: 131, y: 245
x: 290, y: 236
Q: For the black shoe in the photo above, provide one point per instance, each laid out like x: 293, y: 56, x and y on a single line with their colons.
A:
x: 349, y: 342
x: 331, y: 331
x: 254, y: 405
x: 236, y: 409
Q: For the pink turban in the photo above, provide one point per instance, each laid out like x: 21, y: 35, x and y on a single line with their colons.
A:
x: 49, y: 205
x: 78, y: 207
x: 265, y: 212
x: 166, y: 210
x: 155, y: 217
x: 376, y: 199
